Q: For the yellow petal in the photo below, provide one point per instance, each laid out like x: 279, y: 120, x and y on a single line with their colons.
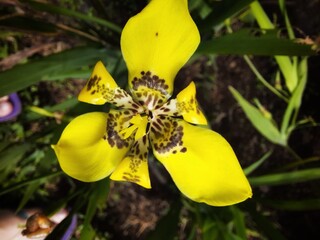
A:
x: 84, y: 150
x: 201, y: 163
x: 128, y: 131
x: 138, y: 123
x: 99, y: 88
x: 142, y: 127
x: 157, y: 42
x: 188, y: 106
x: 134, y: 167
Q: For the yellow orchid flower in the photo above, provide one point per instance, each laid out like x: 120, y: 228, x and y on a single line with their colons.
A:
x: 155, y: 44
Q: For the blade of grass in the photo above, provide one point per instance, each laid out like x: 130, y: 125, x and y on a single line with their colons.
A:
x: 221, y: 10
x: 34, y: 71
x: 98, y: 196
x: 263, y: 223
x: 27, y: 182
x: 67, y: 12
x: 239, y: 222
x: 282, y: 4
x: 295, y: 101
x: 262, y: 80
x: 286, y: 178
x: 300, y: 205
x: 264, y: 125
x: 28, y: 193
x: 11, y: 155
x: 250, y: 41
x: 167, y: 225
x: 256, y: 164
x: 284, y: 62
x: 27, y: 24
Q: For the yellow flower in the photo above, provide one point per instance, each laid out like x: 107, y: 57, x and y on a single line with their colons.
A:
x: 155, y: 44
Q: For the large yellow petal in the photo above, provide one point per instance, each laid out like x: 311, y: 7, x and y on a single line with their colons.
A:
x: 201, y: 163
x: 86, y: 151
x: 157, y: 42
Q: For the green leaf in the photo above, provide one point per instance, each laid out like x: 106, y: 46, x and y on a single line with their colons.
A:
x: 27, y: 24
x: 263, y: 124
x: 167, y: 225
x: 285, y: 64
x: 71, y: 13
x: 28, y: 193
x: 256, y: 164
x: 290, y: 205
x: 10, y: 157
x: 27, y: 182
x: 262, y: 222
x: 98, y: 196
x: 221, y: 10
x: 286, y: 178
x: 239, y: 222
x: 34, y: 71
x: 296, y: 98
x: 87, y: 232
x: 254, y: 42
x: 3, y: 145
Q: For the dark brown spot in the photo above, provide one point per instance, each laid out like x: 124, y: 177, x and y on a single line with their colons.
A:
x: 183, y: 150
x: 151, y: 81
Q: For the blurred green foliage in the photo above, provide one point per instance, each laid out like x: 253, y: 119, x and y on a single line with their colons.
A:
x: 92, y: 29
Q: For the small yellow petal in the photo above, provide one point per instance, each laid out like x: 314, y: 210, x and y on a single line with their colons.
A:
x: 84, y: 153
x: 157, y: 42
x: 99, y: 88
x: 136, y: 119
x: 139, y: 123
x: 128, y: 131
x: 188, y: 106
x: 202, y: 164
x: 142, y: 127
x: 134, y: 167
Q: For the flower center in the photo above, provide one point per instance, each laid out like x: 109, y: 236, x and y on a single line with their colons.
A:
x: 150, y: 90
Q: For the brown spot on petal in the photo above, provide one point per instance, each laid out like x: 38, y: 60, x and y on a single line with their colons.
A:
x: 167, y: 136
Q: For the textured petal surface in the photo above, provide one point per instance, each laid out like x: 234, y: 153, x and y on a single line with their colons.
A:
x: 187, y: 105
x: 99, y: 88
x: 84, y: 150
x: 157, y: 42
x: 202, y: 164
x: 134, y: 168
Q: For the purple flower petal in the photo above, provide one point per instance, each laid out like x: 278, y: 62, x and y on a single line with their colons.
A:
x: 15, y: 101
x: 68, y: 234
